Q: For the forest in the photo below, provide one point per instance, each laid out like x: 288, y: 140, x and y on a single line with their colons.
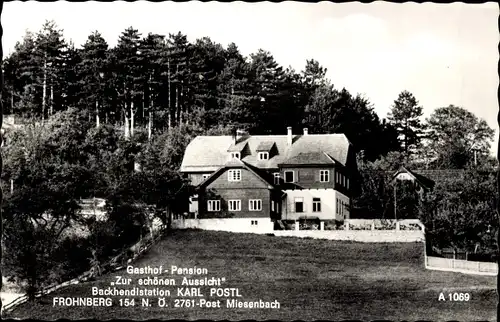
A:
x: 87, y: 118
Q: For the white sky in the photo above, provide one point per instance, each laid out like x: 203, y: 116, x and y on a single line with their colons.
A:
x: 442, y: 53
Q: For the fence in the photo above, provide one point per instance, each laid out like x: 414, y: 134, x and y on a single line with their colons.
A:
x: 353, y: 224
x: 462, y: 266
x: 354, y: 229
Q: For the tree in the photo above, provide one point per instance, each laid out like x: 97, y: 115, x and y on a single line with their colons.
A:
x: 127, y: 76
x: 50, y: 49
x: 161, y: 185
x: 460, y: 213
x: 314, y: 74
x: 233, y: 93
x: 151, y: 60
x: 267, y: 80
x: 405, y: 117
x: 21, y: 78
x: 455, y: 136
x: 374, y: 193
x: 333, y: 111
x: 92, y: 73
x: 49, y: 181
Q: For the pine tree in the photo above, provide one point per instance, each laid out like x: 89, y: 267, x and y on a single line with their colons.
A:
x: 207, y: 63
x: 92, y: 75
x: 179, y: 72
x: 267, y: 78
x: 405, y: 117
x: 234, y: 92
x: 49, y: 53
x: 151, y: 60
x: 127, y: 76
x: 23, y: 73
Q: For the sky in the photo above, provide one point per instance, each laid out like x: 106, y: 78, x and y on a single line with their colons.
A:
x: 442, y: 53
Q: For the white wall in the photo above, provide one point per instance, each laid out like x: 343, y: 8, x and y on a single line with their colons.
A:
x: 369, y: 236
x: 328, y: 204
x: 193, y: 204
x: 238, y: 225
x: 404, y: 176
x: 462, y: 266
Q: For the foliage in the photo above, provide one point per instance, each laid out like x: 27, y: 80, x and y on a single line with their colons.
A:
x: 405, y: 116
x: 455, y: 134
x: 461, y: 212
x: 165, y: 81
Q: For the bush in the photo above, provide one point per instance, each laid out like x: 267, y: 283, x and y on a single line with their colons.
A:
x: 73, y: 257
x: 29, y: 254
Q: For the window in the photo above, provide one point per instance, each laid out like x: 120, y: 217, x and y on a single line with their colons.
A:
x: 289, y: 176
x: 324, y: 175
x: 234, y: 205
x: 337, y: 206
x: 337, y: 177
x: 254, y: 222
x: 343, y: 180
x: 272, y: 205
x: 205, y: 176
x: 299, y: 204
x: 213, y: 205
x: 316, y: 205
x: 263, y: 155
x: 255, y: 204
x: 276, y: 178
x: 347, y: 183
x: 234, y: 175
x: 235, y: 155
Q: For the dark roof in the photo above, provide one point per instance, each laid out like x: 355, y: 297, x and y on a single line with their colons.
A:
x: 309, y: 158
x: 237, y: 163
x: 238, y: 147
x: 265, y: 146
x: 438, y: 175
x: 209, y: 153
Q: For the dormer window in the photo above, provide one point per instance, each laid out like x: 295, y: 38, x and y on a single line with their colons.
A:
x: 263, y: 156
x: 235, y: 155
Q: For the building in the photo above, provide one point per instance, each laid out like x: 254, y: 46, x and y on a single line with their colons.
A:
x: 422, y: 183
x: 271, y: 177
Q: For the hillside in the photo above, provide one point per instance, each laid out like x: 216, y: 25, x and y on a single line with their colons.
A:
x: 312, y: 279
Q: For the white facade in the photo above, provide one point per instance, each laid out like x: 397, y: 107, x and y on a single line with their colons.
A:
x: 193, y: 204
x: 256, y: 225
x: 333, y: 205
x: 404, y: 176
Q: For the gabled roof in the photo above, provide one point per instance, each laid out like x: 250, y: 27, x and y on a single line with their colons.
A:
x: 423, y: 181
x: 209, y: 153
x: 236, y: 163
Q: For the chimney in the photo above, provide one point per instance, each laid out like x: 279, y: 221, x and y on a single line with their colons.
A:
x: 289, y: 136
x: 306, y: 131
x: 240, y: 134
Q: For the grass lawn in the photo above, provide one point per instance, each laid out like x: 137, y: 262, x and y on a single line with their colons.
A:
x: 312, y: 280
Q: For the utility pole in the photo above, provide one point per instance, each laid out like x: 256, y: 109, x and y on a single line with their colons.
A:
x: 395, y: 200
